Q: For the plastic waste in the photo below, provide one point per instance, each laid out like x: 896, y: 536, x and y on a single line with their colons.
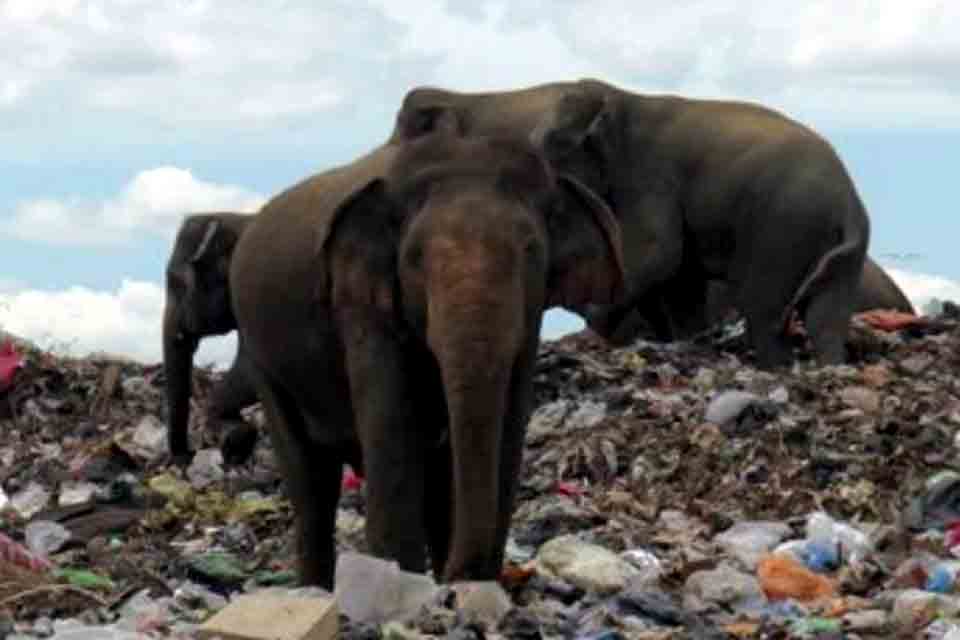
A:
x: 14, y: 553
x: 938, y: 506
x: 76, y: 493
x: 218, y: 568
x: 649, y: 566
x: 10, y: 363
x: 825, y: 532
x: 485, y: 601
x: 820, y: 556
x: 370, y: 589
x: 205, y: 468
x: 942, y: 577
x: 84, y: 578
x: 783, y: 577
x: 44, y: 537
x: 31, y: 500
x: 150, y: 438
x: 750, y: 540
x: 4, y: 500
x: 810, y: 627
x: 728, y: 405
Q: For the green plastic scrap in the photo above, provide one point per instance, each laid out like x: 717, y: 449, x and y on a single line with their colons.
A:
x: 284, y: 578
x: 224, y: 568
x: 84, y: 579
x: 810, y: 627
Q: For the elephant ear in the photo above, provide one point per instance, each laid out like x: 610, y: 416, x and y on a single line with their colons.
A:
x: 414, y: 122
x: 213, y: 252
x: 586, y: 254
x: 359, y: 248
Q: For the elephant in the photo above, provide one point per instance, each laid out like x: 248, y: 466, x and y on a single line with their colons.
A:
x: 404, y: 335
x: 703, y: 190
x: 876, y: 290
x: 198, y: 304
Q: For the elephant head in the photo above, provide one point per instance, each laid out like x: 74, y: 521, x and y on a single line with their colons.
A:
x: 197, y: 305
x: 463, y: 244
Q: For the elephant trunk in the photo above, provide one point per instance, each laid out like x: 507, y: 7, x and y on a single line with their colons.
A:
x: 178, y: 351
x: 475, y: 348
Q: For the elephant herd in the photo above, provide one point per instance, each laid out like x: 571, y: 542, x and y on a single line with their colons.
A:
x: 389, y: 310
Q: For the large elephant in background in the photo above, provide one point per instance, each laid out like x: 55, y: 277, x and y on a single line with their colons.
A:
x: 198, y: 304
x: 391, y: 309
x: 877, y: 290
x: 704, y: 190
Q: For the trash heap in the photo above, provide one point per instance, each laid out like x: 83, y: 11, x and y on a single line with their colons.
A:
x: 669, y: 491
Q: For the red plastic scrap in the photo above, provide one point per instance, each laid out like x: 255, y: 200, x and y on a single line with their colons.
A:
x: 887, y: 320
x: 952, y: 538
x: 10, y: 363
x: 568, y: 489
x: 351, y: 481
x: 12, y: 552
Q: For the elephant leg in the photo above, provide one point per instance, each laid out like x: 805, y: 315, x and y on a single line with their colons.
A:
x: 763, y: 303
x: 686, y: 303
x: 235, y: 393
x: 438, y: 510
x: 313, y: 479
x: 652, y: 231
x: 394, y: 444
x: 827, y: 320
x: 607, y: 319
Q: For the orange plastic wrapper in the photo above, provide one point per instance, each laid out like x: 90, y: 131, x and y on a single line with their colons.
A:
x: 515, y: 575
x: 782, y: 577
x: 888, y: 320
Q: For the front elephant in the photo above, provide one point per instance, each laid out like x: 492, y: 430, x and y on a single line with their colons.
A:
x: 415, y: 280
x: 198, y: 305
x: 704, y: 190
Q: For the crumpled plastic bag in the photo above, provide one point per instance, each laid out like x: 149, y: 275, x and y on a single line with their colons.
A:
x: 370, y: 589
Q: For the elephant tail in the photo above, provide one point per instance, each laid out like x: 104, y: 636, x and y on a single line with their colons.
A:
x: 845, y: 258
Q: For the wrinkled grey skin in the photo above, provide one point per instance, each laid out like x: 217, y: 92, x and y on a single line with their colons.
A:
x: 877, y: 290
x: 704, y: 190
x: 404, y: 337
x: 198, y: 304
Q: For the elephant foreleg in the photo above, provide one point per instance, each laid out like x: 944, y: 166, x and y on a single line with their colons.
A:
x: 394, y: 445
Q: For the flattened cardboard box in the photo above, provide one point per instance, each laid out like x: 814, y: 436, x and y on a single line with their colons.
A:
x: 273, y: 617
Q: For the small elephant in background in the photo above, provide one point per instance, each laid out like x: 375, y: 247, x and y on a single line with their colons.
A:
x: 396, y: 316
x: 198, y: 304
x: 656, y: 321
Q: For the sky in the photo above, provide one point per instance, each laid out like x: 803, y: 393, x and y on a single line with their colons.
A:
x: 119, y: 117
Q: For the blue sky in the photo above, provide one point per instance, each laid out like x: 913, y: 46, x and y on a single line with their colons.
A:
x: 117, y: 118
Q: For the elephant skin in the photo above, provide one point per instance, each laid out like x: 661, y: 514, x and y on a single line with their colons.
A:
x: 198, y: 304
x: 704, y: 190
x: 877, y: 290
x: 391, y: 309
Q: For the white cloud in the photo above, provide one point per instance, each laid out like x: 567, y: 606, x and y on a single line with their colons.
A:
x: 154, y: 201
x: 78, y: 321
x: 209, y: 63
x: 920, y: 288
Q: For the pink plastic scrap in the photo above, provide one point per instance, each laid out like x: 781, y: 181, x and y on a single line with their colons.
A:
x: 12, y: 552
x: 10, y: 363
